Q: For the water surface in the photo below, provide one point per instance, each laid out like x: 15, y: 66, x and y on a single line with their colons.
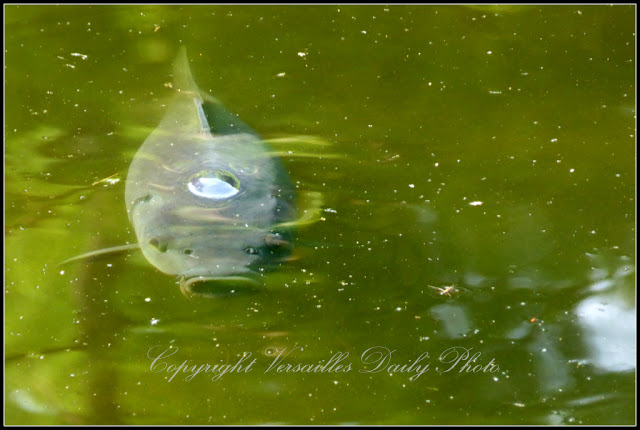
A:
x: 486, y: 147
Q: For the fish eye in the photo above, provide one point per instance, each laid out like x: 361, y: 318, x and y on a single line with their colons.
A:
x: 187, y: 251
x: 140, y: 200
x: 214, y: 185
x: 160, y: 246
x: 275, y: 240
x: 250, y: 250
x: 276, y: 244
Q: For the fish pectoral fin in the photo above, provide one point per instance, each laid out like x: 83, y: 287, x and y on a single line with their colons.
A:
x: 297, y: 154
x: 98, y: 252
x: 300, y: 147
x: 311, y: 207
x: 299, y: 140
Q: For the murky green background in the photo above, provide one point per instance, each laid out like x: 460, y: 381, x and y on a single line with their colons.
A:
x: 487, y: 147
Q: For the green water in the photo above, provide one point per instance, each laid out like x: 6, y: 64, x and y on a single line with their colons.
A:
x: 491, y: 148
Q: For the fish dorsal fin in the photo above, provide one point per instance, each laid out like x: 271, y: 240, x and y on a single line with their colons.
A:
x: 212, y: 117
x: 185, y: 84
x: 183, y: 79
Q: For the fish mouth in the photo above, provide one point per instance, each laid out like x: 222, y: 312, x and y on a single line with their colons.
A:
x: 218, y: 286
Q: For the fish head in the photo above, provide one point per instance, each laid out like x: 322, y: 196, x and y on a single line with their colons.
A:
x: 217, y: 214
x: 207, y: 198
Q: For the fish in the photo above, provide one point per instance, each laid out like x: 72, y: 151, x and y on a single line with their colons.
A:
x: 210, y: 202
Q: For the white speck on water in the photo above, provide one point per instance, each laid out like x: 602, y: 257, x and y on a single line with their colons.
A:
x: 154, y: 321
x: 75, y: 54
x: 476, y: 203
x: 301, y: 54
x: 412, y: 186
x: 281, y: 74
x: 147, y: 299
x: 572, y: 170
x: 62, y: 272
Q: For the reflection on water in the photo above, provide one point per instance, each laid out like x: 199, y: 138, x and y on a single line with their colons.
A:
x: 454, y: 320
x: 607, y: 315
x: 609, y: 327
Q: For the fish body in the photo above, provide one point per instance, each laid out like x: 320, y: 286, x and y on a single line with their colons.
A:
x: 207, y: 199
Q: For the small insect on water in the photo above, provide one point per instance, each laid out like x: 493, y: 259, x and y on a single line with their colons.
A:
x: 446, y: 290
